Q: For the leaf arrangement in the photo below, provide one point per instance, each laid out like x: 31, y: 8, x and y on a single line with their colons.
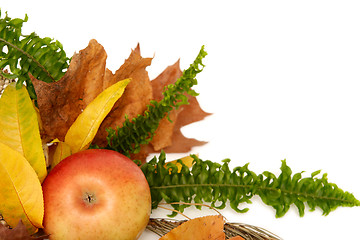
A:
x: 140, y: 130
x: 174, y: 182
x: 43, y: 58
x: 215, y: 183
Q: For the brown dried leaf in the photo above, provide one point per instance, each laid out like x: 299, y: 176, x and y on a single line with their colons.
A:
x: 164, y: 133
x: 61, y: 102
x: 190, y: 113
x: 136, y: 97
x: 202, y: 228
x: 18, y: 233
x: 168, y: 136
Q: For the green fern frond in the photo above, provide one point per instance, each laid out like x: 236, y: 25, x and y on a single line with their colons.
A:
x: 140, y: 130
x: 215, y: 183
x: 44, y: 58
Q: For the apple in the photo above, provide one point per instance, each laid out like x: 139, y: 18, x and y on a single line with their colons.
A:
x: 96, y: 194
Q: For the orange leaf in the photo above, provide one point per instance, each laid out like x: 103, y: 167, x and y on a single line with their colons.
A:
x: 202, y: 228
x: 168, y: 135
x: 136, y: 97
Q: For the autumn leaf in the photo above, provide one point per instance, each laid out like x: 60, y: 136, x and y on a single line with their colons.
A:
x: 62, y: 150
x: 20, y: 190
x: 136, y: 97
x: 168, y: 136
x: 85, y: 127
x: 18, y: 233
x: 19, y: 127
x: 201, y: 228
x: 61, y: 102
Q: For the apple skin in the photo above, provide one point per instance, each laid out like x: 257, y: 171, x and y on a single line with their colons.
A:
x: 96, y: 194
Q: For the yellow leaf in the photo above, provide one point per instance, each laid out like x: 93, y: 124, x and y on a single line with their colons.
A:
x: 83, y: 130
x: 62, y: 151
x: 37, y: 115
x: 188, y: 161
x: 19, y: 127
x: 20, y: 190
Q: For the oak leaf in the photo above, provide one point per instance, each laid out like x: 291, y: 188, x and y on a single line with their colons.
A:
x: 168, y: 136
x: 61, y: 102
x: 136, y: 97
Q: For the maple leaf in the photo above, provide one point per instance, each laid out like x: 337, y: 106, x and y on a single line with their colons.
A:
x: 136, y: 97
x: 61, y: 102
x: 19, y: 233
x: 168, y: 136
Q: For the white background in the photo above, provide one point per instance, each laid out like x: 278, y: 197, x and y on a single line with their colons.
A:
x: 282, y: 80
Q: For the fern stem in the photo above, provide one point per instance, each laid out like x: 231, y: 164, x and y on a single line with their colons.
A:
x: 235, y: 186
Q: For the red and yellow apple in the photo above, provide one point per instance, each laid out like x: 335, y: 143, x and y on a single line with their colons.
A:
x: 96, y: 194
